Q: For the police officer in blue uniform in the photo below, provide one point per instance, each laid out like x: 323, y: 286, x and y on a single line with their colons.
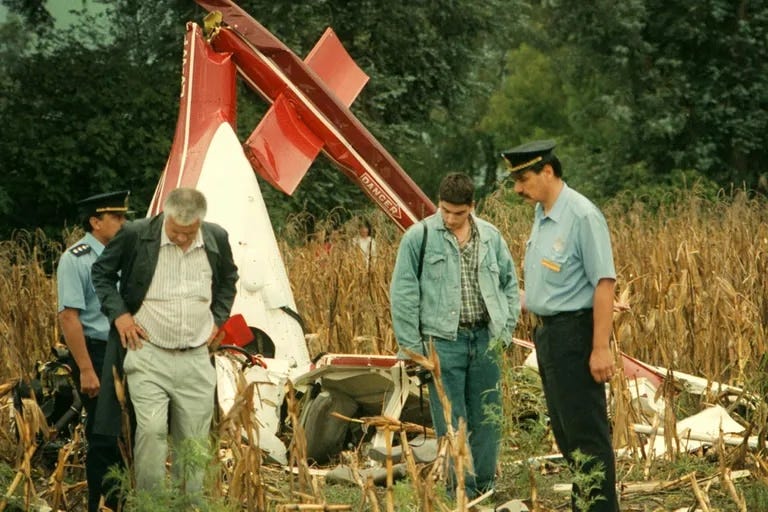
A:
x: 569, y: 285
x: 85, y: 329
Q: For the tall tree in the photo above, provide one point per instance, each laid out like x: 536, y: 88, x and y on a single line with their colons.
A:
x: 33, y: 12
x: 684, y: 82
x: 91, y: 108
x: 82, y: 118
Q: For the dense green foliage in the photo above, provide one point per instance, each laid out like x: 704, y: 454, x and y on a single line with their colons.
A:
x: 84, y: 112
x: 90, y: 108
x: 643, y: 91
x: 641, y: 95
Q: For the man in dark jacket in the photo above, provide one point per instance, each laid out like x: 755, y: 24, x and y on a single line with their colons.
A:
x: 177, y: 282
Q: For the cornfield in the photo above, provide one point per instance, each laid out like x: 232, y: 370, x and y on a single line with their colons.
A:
x: 695, y: 273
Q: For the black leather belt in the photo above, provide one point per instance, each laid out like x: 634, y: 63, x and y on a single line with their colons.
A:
x: 477, y: 324
x: 88, y: 339
x: 563, y: 316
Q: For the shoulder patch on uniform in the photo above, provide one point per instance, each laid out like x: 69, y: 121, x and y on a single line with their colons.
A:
x: 80, y: 249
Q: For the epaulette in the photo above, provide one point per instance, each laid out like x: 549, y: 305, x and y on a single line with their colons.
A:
x: 80, y: 249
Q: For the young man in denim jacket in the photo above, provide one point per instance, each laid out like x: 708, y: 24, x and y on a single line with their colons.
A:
x: 466, y: 302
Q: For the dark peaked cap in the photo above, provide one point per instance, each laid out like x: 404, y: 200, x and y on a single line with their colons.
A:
x: 524, y: 157
x: 109, y: 202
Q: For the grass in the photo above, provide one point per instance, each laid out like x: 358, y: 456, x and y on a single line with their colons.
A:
x: 695, y: 273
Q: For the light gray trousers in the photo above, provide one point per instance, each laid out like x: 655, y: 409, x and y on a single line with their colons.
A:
x: 164, y: 382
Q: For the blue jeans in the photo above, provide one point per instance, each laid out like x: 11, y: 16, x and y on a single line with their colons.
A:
x: 470, y: 375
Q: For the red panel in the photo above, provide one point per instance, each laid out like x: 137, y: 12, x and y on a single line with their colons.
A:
x: 208, y: 98
x: 340, y: 74
x: 236, y: 331
x: 259, y: 56
x: 358, y: 361
x: 636, y: 369
x: 282, y: 147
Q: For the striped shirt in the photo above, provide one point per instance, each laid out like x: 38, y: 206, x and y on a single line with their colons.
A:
x: 472, y: 305
x: 176, y: 312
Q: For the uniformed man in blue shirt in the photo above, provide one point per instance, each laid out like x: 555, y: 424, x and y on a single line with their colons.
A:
x: 569, y: 285
x: 85, y: 328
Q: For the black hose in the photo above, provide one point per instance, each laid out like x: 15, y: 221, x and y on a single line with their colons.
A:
x: 72, y: 413
x: 250, y: 359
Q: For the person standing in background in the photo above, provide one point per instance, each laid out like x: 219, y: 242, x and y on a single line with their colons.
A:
x: 365, y: 242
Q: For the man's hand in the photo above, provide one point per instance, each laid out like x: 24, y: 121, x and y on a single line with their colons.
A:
x: 132, y: 335
x: 601, y: 364
x: 89, y: 382
x: 214, y: 340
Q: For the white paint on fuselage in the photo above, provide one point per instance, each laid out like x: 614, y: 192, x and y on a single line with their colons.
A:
x: 235, y: 202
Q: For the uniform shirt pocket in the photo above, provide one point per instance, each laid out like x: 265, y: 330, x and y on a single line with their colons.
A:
x: 554, y: 268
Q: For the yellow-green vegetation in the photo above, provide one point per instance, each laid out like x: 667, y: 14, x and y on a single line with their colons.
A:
x: 694, y: 271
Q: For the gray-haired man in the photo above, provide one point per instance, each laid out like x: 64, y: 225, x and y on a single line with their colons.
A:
x: 176, y: 286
